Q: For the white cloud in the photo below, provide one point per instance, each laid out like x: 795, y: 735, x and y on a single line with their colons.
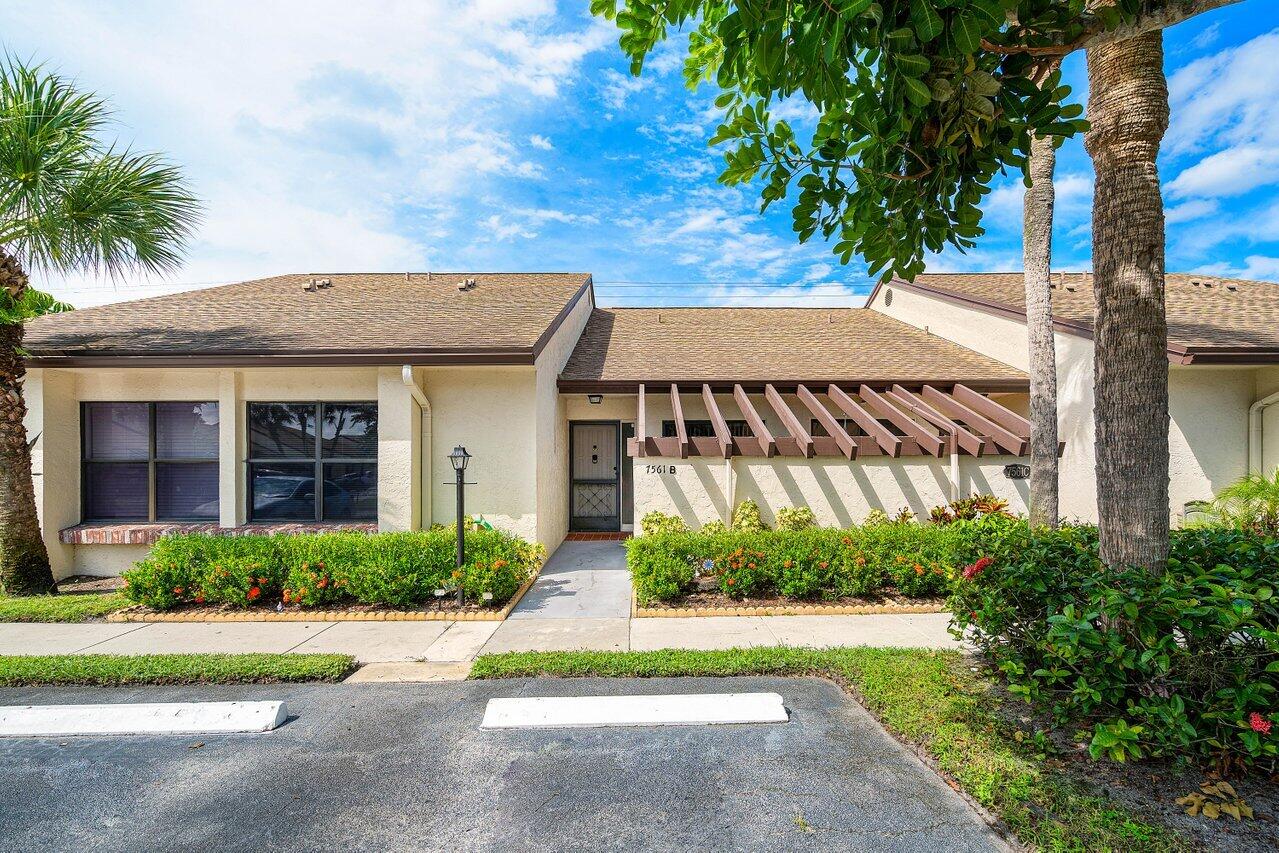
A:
x: 539, y: 141
x: 415, y: 106
x: 1188, y: 211
x: 618, y: 88
x: 1227, y: 98
x: 1208, y: 37
x: 1231, y: 172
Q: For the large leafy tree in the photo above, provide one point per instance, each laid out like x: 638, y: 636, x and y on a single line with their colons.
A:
x: 921, y: 104
x: 69, y: 201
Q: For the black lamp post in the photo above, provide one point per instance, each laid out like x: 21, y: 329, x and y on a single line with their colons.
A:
x: 458, y: 459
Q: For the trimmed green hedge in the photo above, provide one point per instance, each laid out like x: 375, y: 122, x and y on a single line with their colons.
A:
x: 807, y: 564
x: 319, y: 569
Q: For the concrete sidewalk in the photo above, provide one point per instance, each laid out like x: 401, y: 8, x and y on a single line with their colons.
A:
x: 440, y: 642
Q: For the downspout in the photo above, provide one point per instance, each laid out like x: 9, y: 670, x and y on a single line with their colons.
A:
x: 406, y: 376
x: 1256, y: 430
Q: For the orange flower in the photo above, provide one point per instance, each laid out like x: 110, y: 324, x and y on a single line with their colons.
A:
x: 847, y: 541
x: 823, y: 564
x: 262, y: 581
x: 254, y: 592
x: 323, y: 582
x: 320, y: 565
x: 750, y: 565
x: 498, y: 564
x: 730, y: 581
x: 177, y: 590
x: 199, y: 599
x: 457, y: 574
x: 285, y: 596
x: 788, y: 563
x: 919, y: 570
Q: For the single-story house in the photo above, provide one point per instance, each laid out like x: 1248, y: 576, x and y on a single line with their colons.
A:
x: 307, y: 401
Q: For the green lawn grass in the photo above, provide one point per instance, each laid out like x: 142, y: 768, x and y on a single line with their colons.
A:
x: 60, y: 608
x: 112, y: 670
x: 928, y: 698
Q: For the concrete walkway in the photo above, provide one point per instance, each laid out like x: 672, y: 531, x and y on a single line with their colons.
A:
x: 442, y: 642
x: 582, y: 580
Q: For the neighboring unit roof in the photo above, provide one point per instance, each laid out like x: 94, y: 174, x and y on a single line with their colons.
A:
x: 622, y: 347
x: 504, y: 317
x: 1209, y: 318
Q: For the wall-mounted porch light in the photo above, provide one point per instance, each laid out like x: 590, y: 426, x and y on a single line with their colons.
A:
x: 595, y: 399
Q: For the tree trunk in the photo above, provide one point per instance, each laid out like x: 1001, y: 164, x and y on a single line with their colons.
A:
x: 1128, y: 109
x: 1037, y: 250
x: 24, y: 561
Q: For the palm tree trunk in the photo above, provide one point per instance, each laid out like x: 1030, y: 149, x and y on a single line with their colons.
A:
x: 1037, y: 250
x: 24, y: 561
x: 1128, y: 109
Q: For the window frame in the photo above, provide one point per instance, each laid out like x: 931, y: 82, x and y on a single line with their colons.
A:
x: 317, y: 459
x: 151, y: 461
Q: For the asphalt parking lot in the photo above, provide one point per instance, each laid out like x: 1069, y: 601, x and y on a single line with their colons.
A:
x: 382, y: 767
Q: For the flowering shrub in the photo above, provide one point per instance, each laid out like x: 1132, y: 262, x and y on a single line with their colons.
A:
x: 1180, y: 663
x: 318, y: 569
x: 809, y: 564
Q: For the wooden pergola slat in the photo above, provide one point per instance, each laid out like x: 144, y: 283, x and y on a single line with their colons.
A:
x: 969, y: 441
x: 681, y: 430
x: 928, y: 440
x: 767, y: 443
x: 998, y: 413
x: 641, y: 439
x: 1002, y: 437
x: 844, y: 441
x: 722, y: 434
x: 793, y: 426
x: 889, y: 443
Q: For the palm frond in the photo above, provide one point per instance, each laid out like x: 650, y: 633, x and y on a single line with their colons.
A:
x: 1251, y: 502
x: 68, y: 201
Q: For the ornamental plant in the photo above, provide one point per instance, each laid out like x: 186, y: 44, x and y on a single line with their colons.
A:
x: 795, y: 518
x: 747, y: 518
x: 1180, y: 664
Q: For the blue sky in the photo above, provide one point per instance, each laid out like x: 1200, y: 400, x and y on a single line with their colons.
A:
x: 508, y: 135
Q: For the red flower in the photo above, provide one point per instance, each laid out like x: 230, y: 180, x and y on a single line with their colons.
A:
x: 254, y: 592
x: 977, y: 568
x: 1258, y: 723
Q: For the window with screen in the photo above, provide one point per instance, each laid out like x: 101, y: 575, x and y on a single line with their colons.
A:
x: 149, y: 461
x: 293, y: 446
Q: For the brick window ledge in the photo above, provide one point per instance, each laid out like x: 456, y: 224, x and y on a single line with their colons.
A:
x: 143, y: 533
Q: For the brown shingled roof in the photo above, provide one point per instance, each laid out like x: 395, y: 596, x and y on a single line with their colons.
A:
x: 625, y: 346
x: 505, y: 316
x: 1209, y: 318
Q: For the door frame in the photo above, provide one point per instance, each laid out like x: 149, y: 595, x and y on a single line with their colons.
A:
x: 609, y: 525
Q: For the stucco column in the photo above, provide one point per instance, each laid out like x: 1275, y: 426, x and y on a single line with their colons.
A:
x: 232, y: 510
x: 398, y: 453
x: 53, y: 421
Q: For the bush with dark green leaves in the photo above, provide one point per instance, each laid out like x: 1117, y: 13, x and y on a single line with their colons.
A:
x: 319, y: 569
x: 1183, y: 662
x: 810, y: 564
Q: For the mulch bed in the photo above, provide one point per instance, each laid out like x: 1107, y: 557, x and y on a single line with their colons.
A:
x: 89, y: 584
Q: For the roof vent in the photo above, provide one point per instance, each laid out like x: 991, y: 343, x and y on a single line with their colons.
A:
x: 466, y: 284
x: 323, y: 283
x: 311, y: 286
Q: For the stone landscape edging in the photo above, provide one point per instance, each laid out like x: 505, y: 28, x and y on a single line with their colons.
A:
x: 639, y: 612
x: 333, y: 615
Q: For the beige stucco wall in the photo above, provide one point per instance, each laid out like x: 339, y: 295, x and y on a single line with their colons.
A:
x: 551, y: 430
x: 1208, y: 406
x: 487, y: 409
x: 838, y: 491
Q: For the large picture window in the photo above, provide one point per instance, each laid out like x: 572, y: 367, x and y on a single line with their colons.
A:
x: 293, y: 446
x: 150, y: 461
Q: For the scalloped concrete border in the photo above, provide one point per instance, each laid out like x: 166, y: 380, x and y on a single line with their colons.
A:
x: 334, y: 615
x: 638, y: 612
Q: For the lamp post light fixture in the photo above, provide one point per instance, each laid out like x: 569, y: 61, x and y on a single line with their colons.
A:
x: 458, y: 459
x: 595, y: 399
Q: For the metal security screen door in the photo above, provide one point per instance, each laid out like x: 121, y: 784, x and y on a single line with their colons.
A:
x: 594, y: 486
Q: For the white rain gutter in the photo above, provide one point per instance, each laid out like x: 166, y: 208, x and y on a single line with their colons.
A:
x: 1256, y: 430
x: 406, y: 376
